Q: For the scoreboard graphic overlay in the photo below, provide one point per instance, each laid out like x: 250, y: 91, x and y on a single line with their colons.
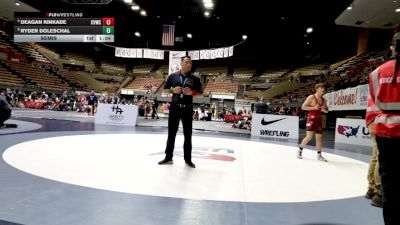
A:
x: 62, y: 27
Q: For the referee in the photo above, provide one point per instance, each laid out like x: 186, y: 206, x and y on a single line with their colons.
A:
x: 5, y: 110
x: 183, y: 85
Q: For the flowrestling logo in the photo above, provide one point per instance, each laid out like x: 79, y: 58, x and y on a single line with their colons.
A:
x: 348, y: 131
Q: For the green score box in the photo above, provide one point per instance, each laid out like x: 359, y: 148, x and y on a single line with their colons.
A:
x: 108, y: 30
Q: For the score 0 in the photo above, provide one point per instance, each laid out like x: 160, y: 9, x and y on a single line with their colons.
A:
x: 108, y: 21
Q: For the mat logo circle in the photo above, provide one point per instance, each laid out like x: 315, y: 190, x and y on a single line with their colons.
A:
x: 214, y: 153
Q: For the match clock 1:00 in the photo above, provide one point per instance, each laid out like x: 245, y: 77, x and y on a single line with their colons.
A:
x: 108, y: 30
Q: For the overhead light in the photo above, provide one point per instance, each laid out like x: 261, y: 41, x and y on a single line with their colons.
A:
x: 309, y: 30
x: 135, y: 7
x: 397, y: 10
x: 308, y: 43
x: 207, y: 13
x: 208, y: 5
x: 128, y: 1
x: 137, y: 34
x: 244, y: 37
x: 17, y: 4
x: 179, y: 17
x: 143, y: 13
x: 349, y: 8
x: 189, y: 35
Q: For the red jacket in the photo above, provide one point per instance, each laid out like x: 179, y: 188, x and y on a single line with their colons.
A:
x: 386, y: 97
x: 372, y: 111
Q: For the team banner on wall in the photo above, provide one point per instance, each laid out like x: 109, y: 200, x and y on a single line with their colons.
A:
x: 194, y: 55
x: 352, y: 131
x: 139, y: 53
x: 128, y: 52
x: 226, y: 52
x: 153, y: 54
x: 354, y: 98
x: 213, y: 54
x: 175, y: 60
x: 159, y: 54
x: 121, y: 115
x: 230, y: 51
x: 275, y: 126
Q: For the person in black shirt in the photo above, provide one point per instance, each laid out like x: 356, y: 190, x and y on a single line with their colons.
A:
x: 92, y: 102
x: 261, y: 106
x: 5, y: 109
x: 154, y: 107
x: 183, y: 85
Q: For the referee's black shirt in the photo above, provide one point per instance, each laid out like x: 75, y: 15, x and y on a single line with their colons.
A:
x: 190, y: 81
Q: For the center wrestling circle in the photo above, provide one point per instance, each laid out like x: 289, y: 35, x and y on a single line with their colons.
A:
x: 227, y: 169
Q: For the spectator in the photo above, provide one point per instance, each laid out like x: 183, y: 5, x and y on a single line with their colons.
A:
x: 92, y: 102
x: 261, y: 106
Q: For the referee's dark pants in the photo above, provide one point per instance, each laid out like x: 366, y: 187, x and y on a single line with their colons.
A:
x: 5, y: 114
x: 179, y: 112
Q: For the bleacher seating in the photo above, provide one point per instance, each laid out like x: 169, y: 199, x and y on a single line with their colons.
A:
x: 212, y: 70
x: 37, y: 75
x: 356, y: 65
x: 221, y: 87
x: 79, y: 57
x: 163, y: 69
x: 143, y: 69
x: 113, y: 67
x: 146, y: 83
x: 243, y: 73
x: 6, y: 77
x: 273, y: 74
x: 47, y: 50
x: 31, y: 52
x: 26, y: 49
x: 109, y: 79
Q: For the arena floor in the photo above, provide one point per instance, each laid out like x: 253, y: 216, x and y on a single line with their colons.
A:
x: 61, y: 168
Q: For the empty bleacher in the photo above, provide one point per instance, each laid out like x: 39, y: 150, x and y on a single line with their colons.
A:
x: 8, y: 78
x: 243, y: 73
x: 31, y: 52
x: 272, y: 74
x: 88, y: 61
x: 112, y: 67
x: 143, y: 69
x: 213, y: 70
x: 221, y: 87
x: 37, y: 75
x: 146, y: 83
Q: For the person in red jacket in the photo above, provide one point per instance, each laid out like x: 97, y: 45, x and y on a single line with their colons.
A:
x: 315, y: 105
x: 384, y: 88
